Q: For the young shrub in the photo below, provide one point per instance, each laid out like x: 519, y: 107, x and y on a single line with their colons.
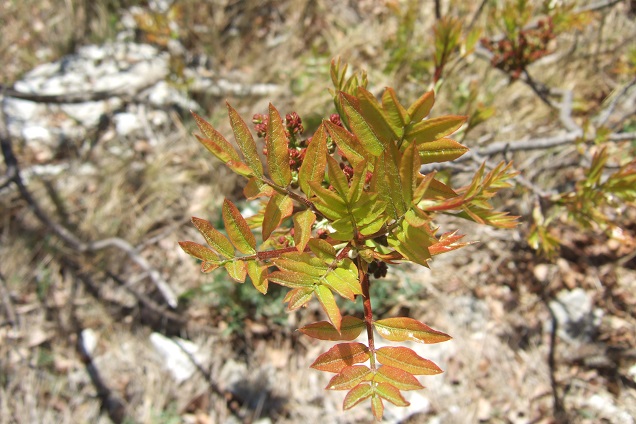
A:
x: 356, y: 201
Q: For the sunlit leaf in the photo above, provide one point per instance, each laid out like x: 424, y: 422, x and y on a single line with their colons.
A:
x: 350, y: 329
x: 198, y: 251
x: 340, y: 356
x: 220, y: 148
x: 277, y: 149
x: 347, y: 142
x: 337, y: 178
x: 278, y: 208
x: 377, y: 407
x: 237, y: 270
x: 349, y: 377
x: 315, y: 162
x: 409, y: 170
x: 407, y: 360
x: 303, y: 222
x: 328, y: 302
x: 291, y: 279
x: 402, y: 328
x: 302, y: 263
x: 255, y: 188
x: 422, y: 106
x: 397, y: 116
x: 323, y: 250
x: 328, y: 203
x: 298, y: 297
x: 433, y: 129
x: 356, y: 395
x: 214, y: 238
x: 245, y: 141
x: 391, y: 393
x: 363, y: 131
x: 373, y: 114
x: 258, y: 275
x: 397, y: 377
x: 442, y: 150
x: 237, y: 229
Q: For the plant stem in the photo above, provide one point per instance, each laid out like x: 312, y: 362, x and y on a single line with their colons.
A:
x: 368, y: 311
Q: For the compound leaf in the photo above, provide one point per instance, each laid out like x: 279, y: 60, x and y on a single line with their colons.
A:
x: 237, y: 229
x: 340, y: 356
x: 347, y: 142
x: 292, y: 279
x: 397, y: 116
x: 377, y: 407
x: 350, y: 329
x: 303, y: 222
x: 407, y: 360
x: 298, y: 297
x: 277, y: 149
x: 403, y: 328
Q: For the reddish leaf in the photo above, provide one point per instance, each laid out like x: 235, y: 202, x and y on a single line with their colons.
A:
x: 278, y: 208
x: 277, y: 149
x: 237, y: 270
x: 391, y: 393
x: 220, y: 148
x: 403, y: 328
x: 407, y: 360
x: 377, y: 407
x: 349, y: 377
x: 245, y: 141
x: 350, y: 329
x: 422, y: 106
x: 340, y: 356
x: 237, y: 228
x: 258, y: 275
x: 215, y: 239
x: 398, y: 378
x: 255, y: 188
x: 209, y: 266
x: 447, y: 242
x: 315, y: 162
x: 198, y: 251
x: 409, y: 171
x: 356, y: 395
x: 303, y: 222
x: 328, y: 302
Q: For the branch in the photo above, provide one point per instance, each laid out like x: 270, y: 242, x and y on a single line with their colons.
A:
x: 13, y: 175
x: 8, y: 304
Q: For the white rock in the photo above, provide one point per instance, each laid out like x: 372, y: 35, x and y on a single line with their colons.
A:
x: 127, y: 123
x: 179, y: 356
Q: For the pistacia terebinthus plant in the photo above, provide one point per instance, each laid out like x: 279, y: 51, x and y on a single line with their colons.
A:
x: 337, y: 208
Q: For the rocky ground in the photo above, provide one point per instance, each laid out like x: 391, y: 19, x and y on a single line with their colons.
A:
x: 114, y: 323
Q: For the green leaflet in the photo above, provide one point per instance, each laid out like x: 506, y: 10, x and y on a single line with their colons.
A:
x: 360, y: 127
x: 313, y: 167
x: 347, y: 142
x: 328, y: 302
x: 349, y: 377
x: 375, y: 116
x: 278, y: 208
x: 277, y: 149
x: 356, y: 395
x: 214, y: 238
x: 245, y: 141
x: 396, y: 115
x: 237, y: 229
x: 433, y: 129
x: 303, y: 222
x: 442, y: 150
x: 422, y: 107
x: 237, y: 270
x: 258, y: 275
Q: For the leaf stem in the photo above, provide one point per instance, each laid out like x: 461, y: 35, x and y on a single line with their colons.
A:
x: 368, y: 310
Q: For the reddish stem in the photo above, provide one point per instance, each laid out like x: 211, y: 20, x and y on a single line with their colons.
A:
x: 368, y: 311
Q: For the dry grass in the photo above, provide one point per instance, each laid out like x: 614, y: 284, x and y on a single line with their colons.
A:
x: 146, y: 191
